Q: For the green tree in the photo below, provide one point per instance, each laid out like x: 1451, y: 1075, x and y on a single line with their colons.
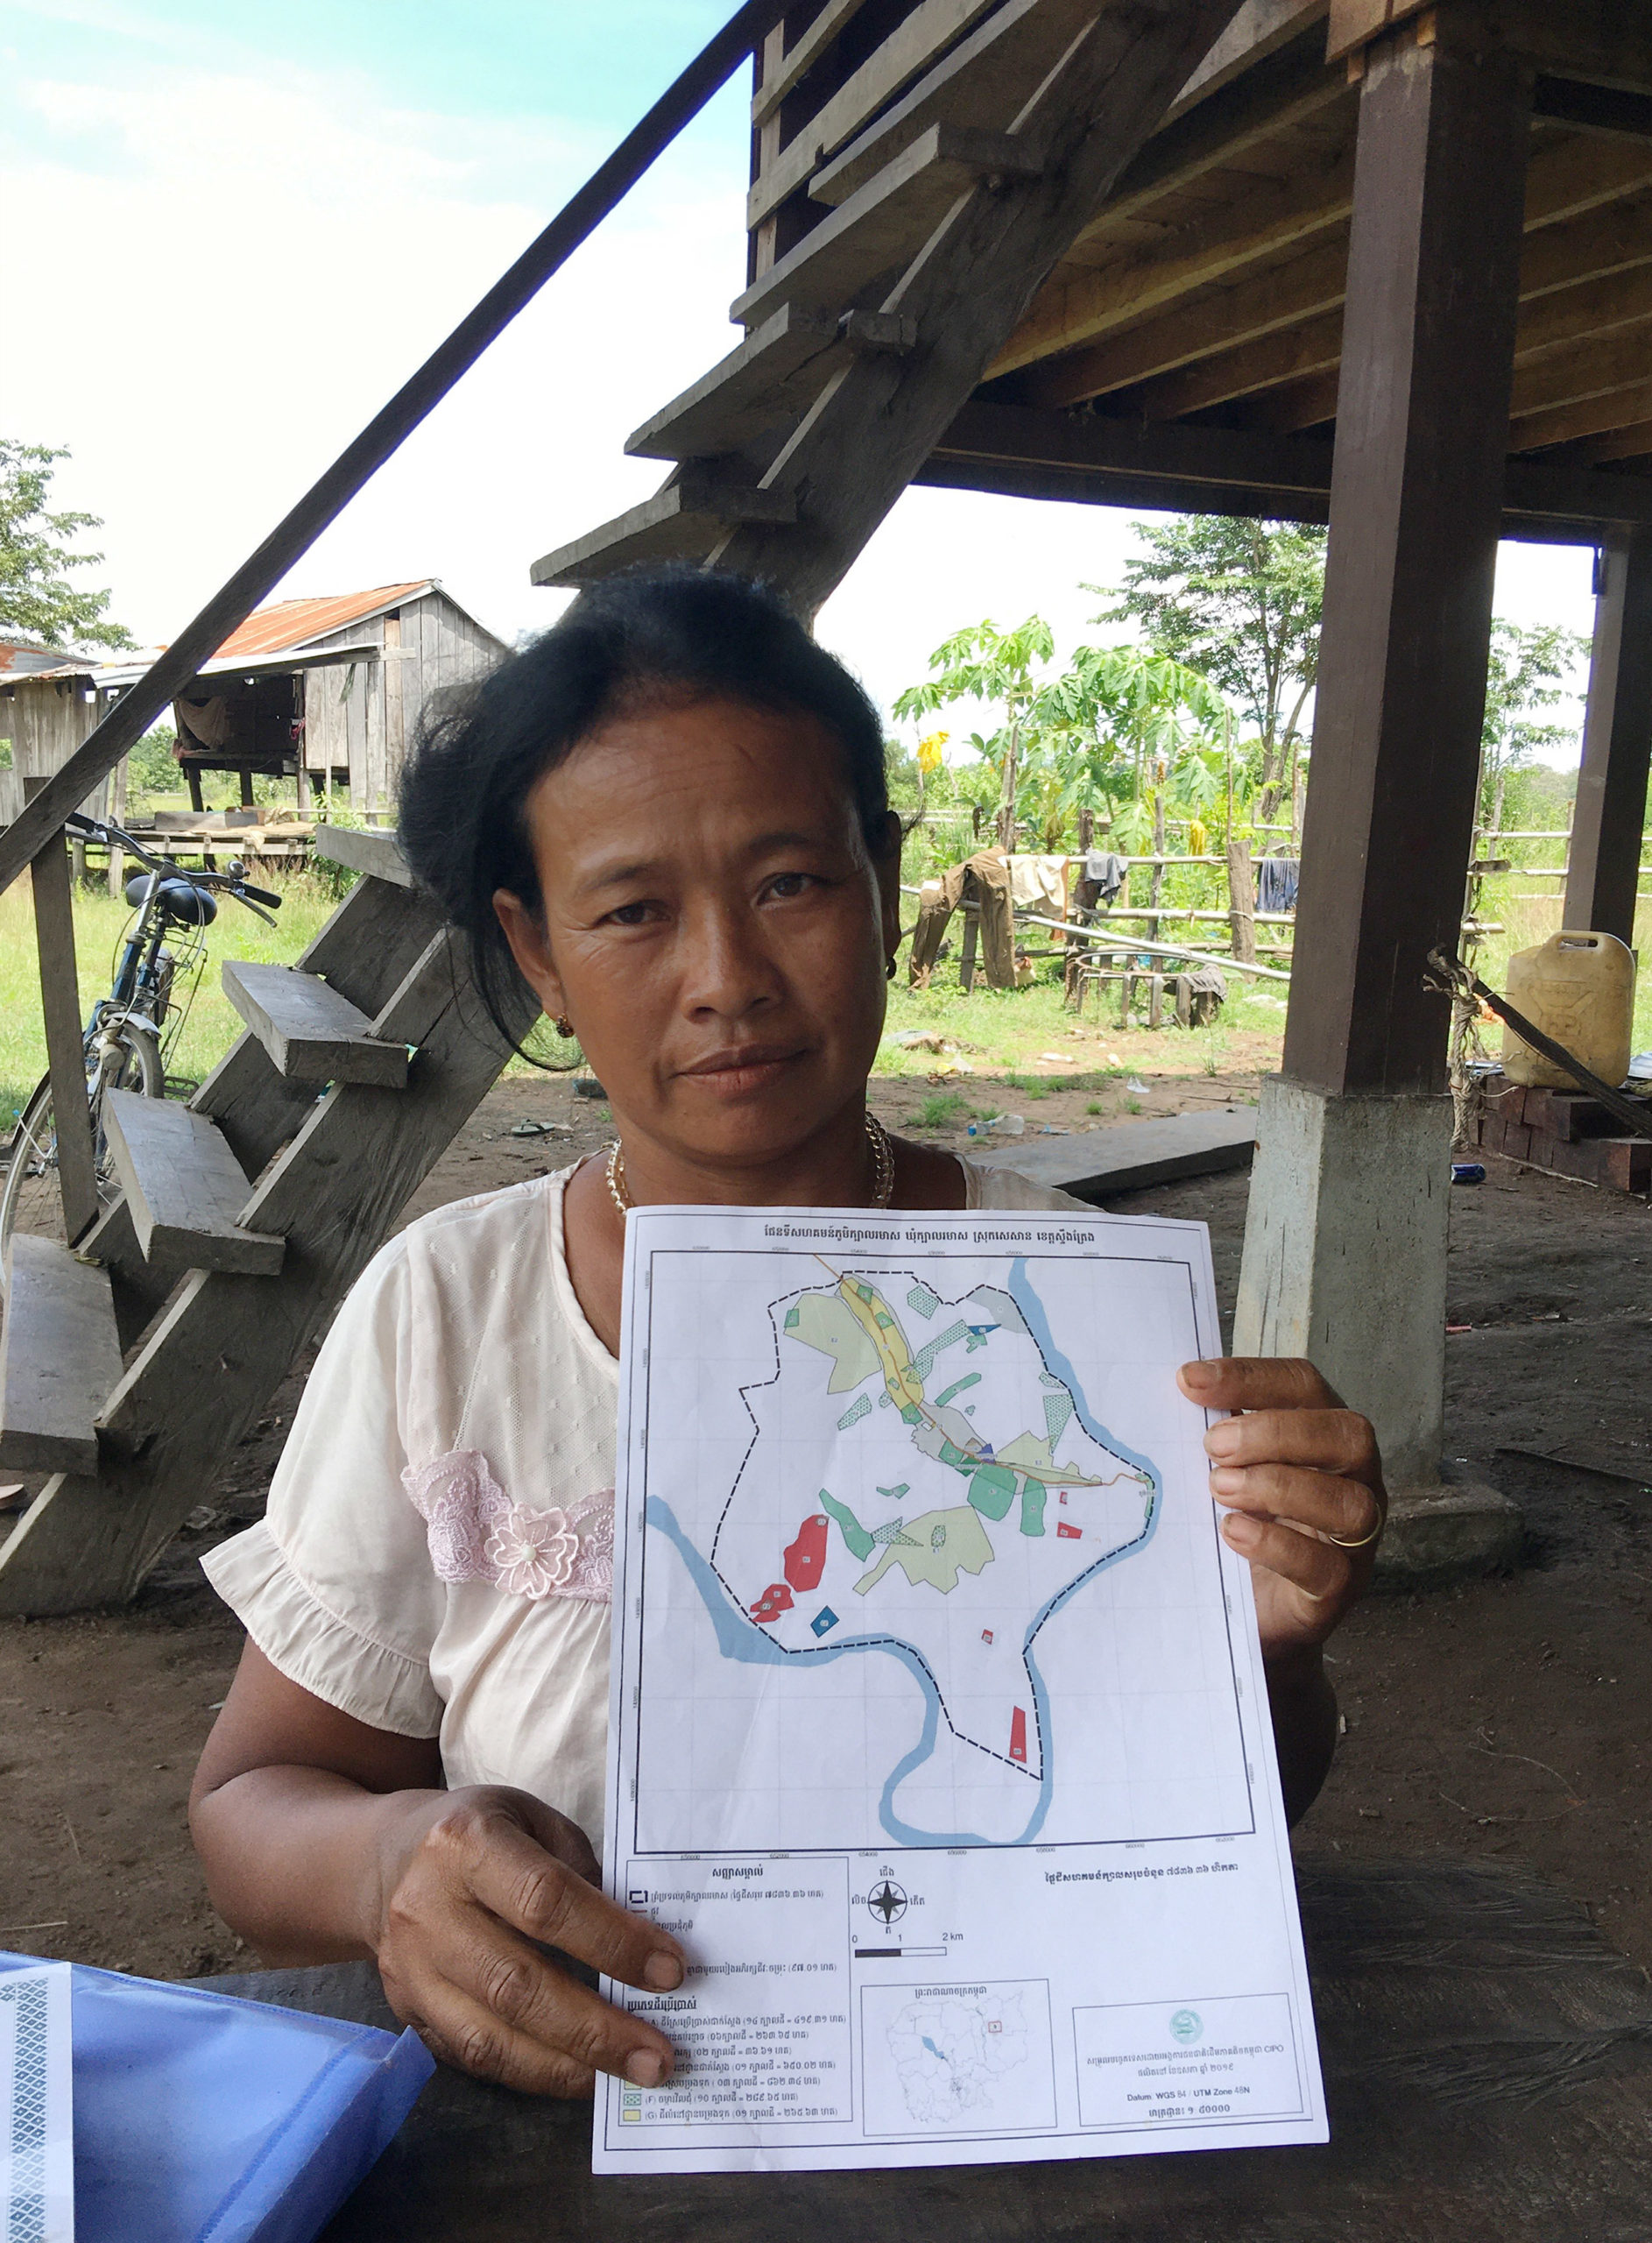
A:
x: 36, y: 595
x: 983, y: 663
x: 1239, y: 601
x: 1129, y: 726
x: 1529, y: 671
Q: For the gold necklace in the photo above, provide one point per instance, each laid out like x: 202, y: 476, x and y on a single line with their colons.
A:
x: 883, y: 1169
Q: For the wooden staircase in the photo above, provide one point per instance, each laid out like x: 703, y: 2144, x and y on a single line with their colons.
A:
x: 132, y: 1369
x: 900, y: 231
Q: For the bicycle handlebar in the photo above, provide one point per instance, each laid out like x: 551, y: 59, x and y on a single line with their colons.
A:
x: 93, y: 829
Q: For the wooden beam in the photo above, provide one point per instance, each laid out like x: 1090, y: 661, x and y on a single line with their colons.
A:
x: 1289, y: 354
x: 65, y: 1047
x: 1095, y: 460
x: 1260, y: 28
x: 811, y: 45
x: 59, y: 1357
x: 1632, y: 442
x: 682, y: 521
x: 1605, y: 42
x: 882, y: 226
x: 1567, y: 181
x: 1603, y: 869
x: 983, y: 83
x: 1580, y: 366
x: 1415, y: 510
x: 1588, y: 416
x: 967, y: 289
x: 1356, y: 23
x: 908, y: 51
x: 1593, y: 109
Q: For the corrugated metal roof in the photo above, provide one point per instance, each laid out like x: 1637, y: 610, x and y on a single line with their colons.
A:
x: 26, y: 657
x: 295, y: 622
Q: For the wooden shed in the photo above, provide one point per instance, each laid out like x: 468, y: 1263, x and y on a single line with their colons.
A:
x: 326, y: 690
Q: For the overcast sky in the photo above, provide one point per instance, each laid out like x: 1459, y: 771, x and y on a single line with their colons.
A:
x: 233, y: 227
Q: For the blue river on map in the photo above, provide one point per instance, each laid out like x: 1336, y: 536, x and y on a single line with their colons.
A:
x: 739, y: 1637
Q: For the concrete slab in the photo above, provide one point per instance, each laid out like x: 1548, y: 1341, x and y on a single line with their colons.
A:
x: 1128, y: 1156
x: 1457, y: 1531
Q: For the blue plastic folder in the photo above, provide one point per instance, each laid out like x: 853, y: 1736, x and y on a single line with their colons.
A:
x: 200, y: 2118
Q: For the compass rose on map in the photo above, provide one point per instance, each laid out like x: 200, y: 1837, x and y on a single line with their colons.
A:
x: 888, y: 1904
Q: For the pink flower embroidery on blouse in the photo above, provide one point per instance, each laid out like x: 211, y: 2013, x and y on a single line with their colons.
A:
x: 476, y: 1532
x: 531, y: 1551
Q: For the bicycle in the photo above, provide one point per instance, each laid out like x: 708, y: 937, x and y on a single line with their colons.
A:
x: 132, y: 1032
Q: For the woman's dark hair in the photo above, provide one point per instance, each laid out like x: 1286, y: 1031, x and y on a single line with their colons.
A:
x: 670, y: 629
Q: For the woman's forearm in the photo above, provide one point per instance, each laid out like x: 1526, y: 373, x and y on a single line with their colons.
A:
x: 1303, y: 1706
x: 300, y: 1861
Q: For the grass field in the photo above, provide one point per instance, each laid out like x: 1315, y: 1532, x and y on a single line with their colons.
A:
x: 1002, y: 1035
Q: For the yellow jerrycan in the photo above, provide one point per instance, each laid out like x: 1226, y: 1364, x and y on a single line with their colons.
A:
x: 1578, y: 987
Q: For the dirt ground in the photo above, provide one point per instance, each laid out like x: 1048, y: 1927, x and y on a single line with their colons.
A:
x: 1506, y: 1720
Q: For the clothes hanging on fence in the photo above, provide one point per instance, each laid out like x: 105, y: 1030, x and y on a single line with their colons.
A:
x: 1198, y: 839
x: 1277, y: 878
x: 1039, y: 884
x: 984, y: 880
x: 1107, y: 871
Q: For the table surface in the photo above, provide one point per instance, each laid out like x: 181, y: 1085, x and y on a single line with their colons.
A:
x: 1488, y: 2067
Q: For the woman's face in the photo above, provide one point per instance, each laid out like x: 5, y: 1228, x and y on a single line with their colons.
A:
x: 713, y: 926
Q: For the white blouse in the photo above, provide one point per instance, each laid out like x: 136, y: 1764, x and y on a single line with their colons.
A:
x: 436, y: 1555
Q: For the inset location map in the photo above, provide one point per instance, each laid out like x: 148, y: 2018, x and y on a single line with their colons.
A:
x: 921, y: 1599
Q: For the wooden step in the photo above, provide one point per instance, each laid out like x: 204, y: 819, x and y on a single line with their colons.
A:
x: 372, y: 849
x: 682, y: 522
x: 60, y: 1358
x: 984, y: 83
x: 313, y: 1034
x: 185, y: 1189
x: 874, y: 235
x: 770, y: 378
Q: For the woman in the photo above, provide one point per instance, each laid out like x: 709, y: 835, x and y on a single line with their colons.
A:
x: 669, y: 816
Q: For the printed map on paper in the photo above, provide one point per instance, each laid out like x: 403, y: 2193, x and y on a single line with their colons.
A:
x: 927, y: 1496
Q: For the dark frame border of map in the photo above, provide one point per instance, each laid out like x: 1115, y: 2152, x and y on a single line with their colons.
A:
x: 778, y: 1654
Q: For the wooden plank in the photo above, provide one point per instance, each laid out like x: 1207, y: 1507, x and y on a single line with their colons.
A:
x: 967, y: 289
x: 983, y: 83
x: 810, y: 46
x: 224, y: 1343
x: 910, y: 48
x: 185, y: 1188
x: 1259, y: 30
x: 311, y: 1033
x: 374, y: 851
x: 1604, y: 860
x: 769, y: 379
x: 1578, y: 417
x: 1128, y: 1156
x: 59, y: 1357
x: 1567, y: 181
x: 746, y: 393
x: 884, y: 224
x: 1576, y: 369
x: 682, y: 521
x: 64, y: 1047
x: 1604, y: 41
x: 1416, y: 508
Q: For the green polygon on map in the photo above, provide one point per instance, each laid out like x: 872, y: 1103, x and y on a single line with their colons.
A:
x: 859, y: 1542
x: 923, y: 1300
x: 992, y: 1491
x: 861, y: 1407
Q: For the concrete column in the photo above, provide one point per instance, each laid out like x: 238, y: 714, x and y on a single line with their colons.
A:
x: 1345, y: 1256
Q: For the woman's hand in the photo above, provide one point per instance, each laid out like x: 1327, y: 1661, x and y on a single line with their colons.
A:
x: 1301, y: 1483
x: 471, y: 1881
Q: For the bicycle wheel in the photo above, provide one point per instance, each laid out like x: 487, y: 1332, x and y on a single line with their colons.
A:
x: 31, y: 1199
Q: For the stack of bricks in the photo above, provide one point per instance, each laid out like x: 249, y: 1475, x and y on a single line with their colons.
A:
x: 1565, y: 1131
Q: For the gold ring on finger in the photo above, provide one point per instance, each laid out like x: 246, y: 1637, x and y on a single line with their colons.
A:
x: 1365, y: 1541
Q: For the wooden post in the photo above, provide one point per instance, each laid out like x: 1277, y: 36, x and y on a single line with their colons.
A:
x: 246, y: 788
x: 192, y: 773
x: 971, y: 932
x: 1241, y: 899
x: 1344, y: 1249
x: 61, y: 1005
x: 1603, y: 871
x: 1416, y: 512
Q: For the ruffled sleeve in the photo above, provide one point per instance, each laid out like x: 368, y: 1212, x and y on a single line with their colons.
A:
x: 336, y: 1585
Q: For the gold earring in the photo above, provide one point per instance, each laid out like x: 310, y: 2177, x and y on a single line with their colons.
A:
x: 562, y: 1024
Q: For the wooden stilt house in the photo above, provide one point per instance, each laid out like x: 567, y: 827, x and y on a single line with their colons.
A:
x: 1386, y: 263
